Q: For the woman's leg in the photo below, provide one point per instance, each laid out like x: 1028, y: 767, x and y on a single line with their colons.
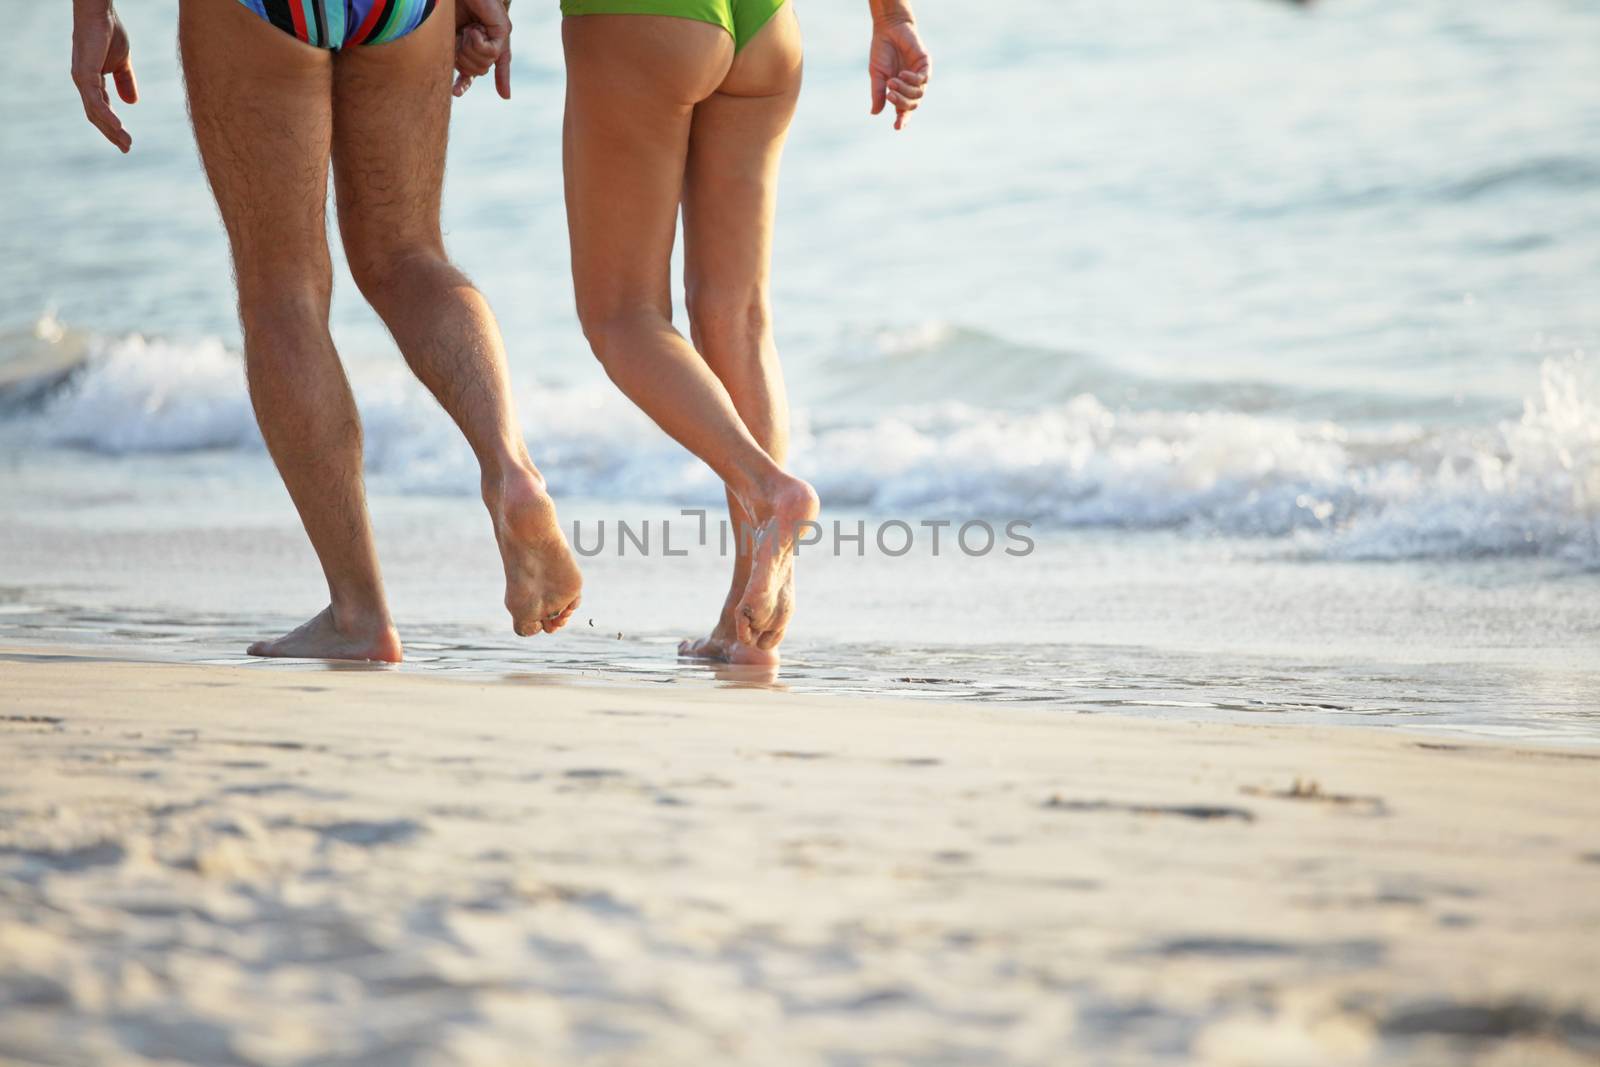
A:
x: 729, y: 199
x: 390, y: 125
x: 632, y: 85
x: 261, y: 103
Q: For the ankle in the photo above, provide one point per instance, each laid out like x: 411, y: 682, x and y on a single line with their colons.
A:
x: 509, y: 473
x: 357, y: 617
x: 758, y: 490
x: 784, y: 494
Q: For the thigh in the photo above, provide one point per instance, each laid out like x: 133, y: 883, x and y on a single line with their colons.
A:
x: 260, y: 102
x: 731, y: 179
x: 391, y: 120
x: 632, y: 84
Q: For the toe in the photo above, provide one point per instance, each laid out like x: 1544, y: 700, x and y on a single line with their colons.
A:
x: 703, y: 648
x: 566, y: 614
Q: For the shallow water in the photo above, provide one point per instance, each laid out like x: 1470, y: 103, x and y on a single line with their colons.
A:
x: 1273, y: 321
x: 1166, y: 624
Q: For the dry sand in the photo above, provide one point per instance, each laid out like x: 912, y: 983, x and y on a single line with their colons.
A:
x: 222, y: 865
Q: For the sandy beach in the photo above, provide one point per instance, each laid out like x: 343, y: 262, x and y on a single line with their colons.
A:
x: 1195, y: 663
x: 225, y: 865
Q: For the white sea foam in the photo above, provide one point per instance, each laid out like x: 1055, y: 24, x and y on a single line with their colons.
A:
x: 1529, y: 485
x: 139, y: 395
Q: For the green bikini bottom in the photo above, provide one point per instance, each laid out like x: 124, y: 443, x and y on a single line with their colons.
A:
x: 741, y: 18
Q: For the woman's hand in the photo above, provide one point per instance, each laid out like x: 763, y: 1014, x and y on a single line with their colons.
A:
x: 483, y: 40
x: 100, y: 47
x: 899, y: 64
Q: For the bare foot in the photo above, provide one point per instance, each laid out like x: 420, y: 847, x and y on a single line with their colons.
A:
x: 323, y: 638
x: 724, y: 646
x: 543, y: 583
x: 721, y: 649
x: 768, y: 600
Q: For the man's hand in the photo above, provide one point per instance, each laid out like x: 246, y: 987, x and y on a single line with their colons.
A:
x: 100, y: 47
x: 899, y: 65
x: 483, y: 40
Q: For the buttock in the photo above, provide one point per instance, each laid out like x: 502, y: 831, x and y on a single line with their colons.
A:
x: 335, y: 24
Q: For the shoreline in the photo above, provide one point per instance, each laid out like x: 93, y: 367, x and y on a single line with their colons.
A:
x: 1325, y: 693
x: 324, y: 866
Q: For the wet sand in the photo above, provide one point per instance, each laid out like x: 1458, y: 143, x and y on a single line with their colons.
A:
x: 224, y: 865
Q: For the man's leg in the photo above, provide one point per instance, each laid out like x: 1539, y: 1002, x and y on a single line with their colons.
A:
x: 261, y: 103
x: 391, y: 118
x: 729, y: 200
x: 632, y: 85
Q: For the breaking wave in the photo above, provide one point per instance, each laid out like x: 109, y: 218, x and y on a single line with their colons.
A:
x: 1527, y: 485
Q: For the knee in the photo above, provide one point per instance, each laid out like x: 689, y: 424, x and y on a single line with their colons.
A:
x: 385, y: 271
x: 613, y: 328
x: 288, y: 305
x: 729, y: 325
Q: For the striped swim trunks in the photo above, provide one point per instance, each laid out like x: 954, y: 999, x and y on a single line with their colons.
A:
x: 336, y: 24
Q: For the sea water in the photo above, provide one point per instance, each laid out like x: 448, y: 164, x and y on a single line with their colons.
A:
x: 1273, y: 324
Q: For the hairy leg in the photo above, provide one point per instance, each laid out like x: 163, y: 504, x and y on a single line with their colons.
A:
x: 262, y: 112
x: 390, y: 125
x: 632, y: 85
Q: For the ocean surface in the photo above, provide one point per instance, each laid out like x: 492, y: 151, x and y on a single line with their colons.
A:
x: 1276, y: 325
